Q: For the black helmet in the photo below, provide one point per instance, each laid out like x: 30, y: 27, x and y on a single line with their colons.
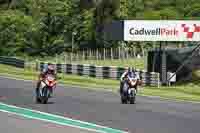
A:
x: 51, y: 68
x: 133, y: 69
x: 129, y: 69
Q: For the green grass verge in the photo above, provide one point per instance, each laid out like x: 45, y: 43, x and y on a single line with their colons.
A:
x: 188, y: 92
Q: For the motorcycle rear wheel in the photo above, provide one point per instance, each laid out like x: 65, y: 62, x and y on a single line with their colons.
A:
x: 37, y: 98
x: 124, y: 100
x: 44, y: 100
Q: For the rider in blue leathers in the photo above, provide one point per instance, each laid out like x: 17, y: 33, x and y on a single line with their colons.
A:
x: 130, y: 73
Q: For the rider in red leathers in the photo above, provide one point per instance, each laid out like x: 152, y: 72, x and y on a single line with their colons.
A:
x: 48, y: 69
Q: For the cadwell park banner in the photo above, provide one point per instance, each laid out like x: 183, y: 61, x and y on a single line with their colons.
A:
x: 161, y: 30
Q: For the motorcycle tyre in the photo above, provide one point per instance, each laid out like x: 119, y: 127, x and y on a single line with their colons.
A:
x: 44, y: 99
x: 38, y: 100
x: 124, y: 100
x: 133, y: 98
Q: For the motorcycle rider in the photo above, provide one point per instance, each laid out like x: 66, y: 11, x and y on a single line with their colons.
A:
x: 130, y: 73
x: 48, y: 69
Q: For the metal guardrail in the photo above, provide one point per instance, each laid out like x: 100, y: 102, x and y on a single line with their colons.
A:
x: 111, y: 72
x: 12, y: 61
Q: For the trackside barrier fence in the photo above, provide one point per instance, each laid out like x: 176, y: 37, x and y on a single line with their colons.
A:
x: 12, y: 61
x: 111, y: 72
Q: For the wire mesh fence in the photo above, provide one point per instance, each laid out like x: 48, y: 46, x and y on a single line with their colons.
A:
x: 100, y: 57
x: 104, y: 53
x: 103, y: 57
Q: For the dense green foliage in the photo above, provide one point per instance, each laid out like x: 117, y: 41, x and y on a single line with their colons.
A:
x: 44, y: 27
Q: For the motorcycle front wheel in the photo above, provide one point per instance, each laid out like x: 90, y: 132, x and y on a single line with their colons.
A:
x: 37, y: 97
x: 132, y: 97
x: 45, y: 96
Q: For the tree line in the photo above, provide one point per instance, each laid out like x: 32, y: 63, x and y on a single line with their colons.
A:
x: 45, y: 27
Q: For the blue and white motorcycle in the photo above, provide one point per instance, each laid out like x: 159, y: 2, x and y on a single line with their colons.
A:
x: 129, y: 91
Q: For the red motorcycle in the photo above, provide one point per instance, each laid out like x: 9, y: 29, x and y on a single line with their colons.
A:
x: 46, y: 86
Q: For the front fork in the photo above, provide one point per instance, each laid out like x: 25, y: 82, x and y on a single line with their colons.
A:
x: 130, y: 91
x: 39, y: 89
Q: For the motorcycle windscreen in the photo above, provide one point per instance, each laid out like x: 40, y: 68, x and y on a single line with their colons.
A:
x: 50, y: 78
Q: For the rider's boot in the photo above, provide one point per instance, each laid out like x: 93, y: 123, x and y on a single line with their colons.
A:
x: 121, y: 87
x: 37, y: 88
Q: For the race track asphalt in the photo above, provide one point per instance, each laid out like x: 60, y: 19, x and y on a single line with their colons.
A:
x: 14, y: 124
x: 148, y: 115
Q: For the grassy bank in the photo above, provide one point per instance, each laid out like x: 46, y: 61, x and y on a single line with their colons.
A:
x: 189, y: 91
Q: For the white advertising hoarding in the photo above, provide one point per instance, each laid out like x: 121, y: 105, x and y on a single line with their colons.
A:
x: 161, y: 30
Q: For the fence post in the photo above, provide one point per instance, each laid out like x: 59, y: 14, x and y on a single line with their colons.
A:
x: 83, y: 55
x: 142, y: 50
x: 65, y: 58
x: 87, y: 54
x: 71, y: 56
x: 119, y: 53
x: 90, y: 54
x: 97, y: 56
x: 127, y: 53
x: 145, y: 62
x: 124, y: 54
x: 93, y: 56
x: 77, y: 57
x: 158, y: 80
x: 104, y: 54
x: 111, y: 51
